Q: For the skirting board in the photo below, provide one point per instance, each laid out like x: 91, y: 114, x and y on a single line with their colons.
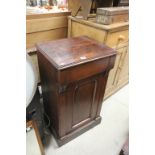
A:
x: 75, y: 133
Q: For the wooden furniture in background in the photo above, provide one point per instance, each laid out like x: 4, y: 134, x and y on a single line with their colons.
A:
x: 115, y: 36
x: 33, y: 56
x: 34, y: 139
x: 45, y: 27
x: 74, y: 6
x: 85, y: 7
x: 104, y: 3
x: 111, y: 15
x: 121, y: 3
x: 73, y: 73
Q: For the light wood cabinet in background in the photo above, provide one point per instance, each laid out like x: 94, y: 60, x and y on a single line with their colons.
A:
x: 115, y: 36
x: 44, y: 27
x: 118, y: 76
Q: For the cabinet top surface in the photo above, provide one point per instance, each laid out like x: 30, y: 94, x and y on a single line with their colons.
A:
x: 70, y: 52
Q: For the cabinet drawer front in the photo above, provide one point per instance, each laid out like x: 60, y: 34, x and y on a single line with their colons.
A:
x: 116, y: 38
x: 83, y: 71
x: 33, y: 38
x: 44, y: 24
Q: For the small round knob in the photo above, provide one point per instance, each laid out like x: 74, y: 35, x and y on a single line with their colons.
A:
x: 121, y: 38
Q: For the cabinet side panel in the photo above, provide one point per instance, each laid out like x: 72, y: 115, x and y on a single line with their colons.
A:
x: 79, y: 29
x: 102, y: 83
x: 49, y: 89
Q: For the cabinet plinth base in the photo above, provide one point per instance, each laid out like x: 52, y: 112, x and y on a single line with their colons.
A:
x: 75, y: 133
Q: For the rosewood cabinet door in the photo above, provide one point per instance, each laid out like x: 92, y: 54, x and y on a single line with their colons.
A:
x: 81, y: 103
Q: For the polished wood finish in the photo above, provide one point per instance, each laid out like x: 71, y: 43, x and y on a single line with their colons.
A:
x: 116, y: 37
x: 74, y: 73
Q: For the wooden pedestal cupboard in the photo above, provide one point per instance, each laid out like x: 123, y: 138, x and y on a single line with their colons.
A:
x: 73, y: 74
x: 114, y: 36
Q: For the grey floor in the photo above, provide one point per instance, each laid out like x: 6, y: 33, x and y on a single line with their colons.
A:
x: 105, y: 139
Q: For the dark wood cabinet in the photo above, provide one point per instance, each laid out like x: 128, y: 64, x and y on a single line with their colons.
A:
x: 73, y: 73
